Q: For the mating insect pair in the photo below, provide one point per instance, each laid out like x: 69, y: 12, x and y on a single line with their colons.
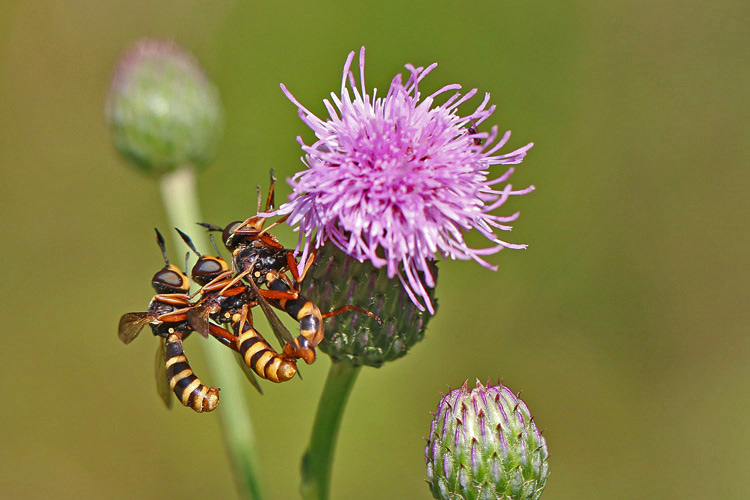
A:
x: 259, y: 276
x: 173, y: 316
x: 264, y: 274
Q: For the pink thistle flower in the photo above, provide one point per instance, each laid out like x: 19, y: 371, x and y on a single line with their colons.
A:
x: 397, y: 180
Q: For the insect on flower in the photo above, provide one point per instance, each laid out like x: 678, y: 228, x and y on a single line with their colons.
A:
x: 224, y: 299
x: 399, y: 179
x: 260, y: 260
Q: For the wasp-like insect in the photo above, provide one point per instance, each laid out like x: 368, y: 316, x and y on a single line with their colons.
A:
x: 226, y: 300
x: 167, y: 316
x: 261, y: 260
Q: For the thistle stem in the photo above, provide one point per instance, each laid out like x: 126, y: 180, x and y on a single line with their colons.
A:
x: 317, y: 460
x: 179, y: 194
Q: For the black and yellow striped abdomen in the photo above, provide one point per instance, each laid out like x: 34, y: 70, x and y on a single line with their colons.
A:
x: 186, y: 386
x: 261, y: 357
x: 303, y: 310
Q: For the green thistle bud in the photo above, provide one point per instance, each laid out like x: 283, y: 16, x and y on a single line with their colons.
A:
x: 162, y: 110
x: 484, y: 445
x: 336, y: 279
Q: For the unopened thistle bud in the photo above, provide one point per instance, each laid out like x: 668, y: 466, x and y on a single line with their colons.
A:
x: 485, y: 445
x: 162, y: 110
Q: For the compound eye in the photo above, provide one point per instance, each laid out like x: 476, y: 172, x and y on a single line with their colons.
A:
x: 170, y: 280
x: 208, y: 268
x: 228, y: 234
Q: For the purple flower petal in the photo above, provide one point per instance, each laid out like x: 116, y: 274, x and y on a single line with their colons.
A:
x: 398, y: 181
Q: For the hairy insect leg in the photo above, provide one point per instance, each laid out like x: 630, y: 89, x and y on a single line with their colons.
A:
x: 350, y: 307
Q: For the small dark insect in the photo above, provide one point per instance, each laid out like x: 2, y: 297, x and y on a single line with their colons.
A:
x: 473, y: 132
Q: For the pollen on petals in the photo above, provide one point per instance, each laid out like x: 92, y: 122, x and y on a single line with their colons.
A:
x: 398, y: 180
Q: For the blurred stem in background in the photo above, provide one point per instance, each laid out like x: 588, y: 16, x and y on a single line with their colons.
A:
x: 166, y: 118
x: 317, y: 460
x: 179, y: 194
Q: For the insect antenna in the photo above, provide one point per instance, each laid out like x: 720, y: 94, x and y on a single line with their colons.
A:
x: 210, y: 227
x: 160, y: 241
x: 270, y: 203
x: 189, y: 242
x: 213, y: 242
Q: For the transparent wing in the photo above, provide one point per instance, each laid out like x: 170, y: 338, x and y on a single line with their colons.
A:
x: 131, y: 325
x: 279, y: 330
x: 249, y: 373
x: 162, y: 384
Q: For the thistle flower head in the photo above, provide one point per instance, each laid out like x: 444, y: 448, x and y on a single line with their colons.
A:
x: 162, y: 110
x: 398, y: 180
x: 485, y: 445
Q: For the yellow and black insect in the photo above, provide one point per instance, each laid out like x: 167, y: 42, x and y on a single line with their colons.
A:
x: 226, y: 300
x: 261, y: 260
x: 167, y: 316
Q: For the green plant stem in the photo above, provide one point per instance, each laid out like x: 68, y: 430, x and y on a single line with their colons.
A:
x: 317, y: 460
x: 180, y: 198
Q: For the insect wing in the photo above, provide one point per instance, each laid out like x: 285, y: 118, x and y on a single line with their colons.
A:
x: 197, y: 318
x: 131, y: 325
x: 162, y: 384
x: 279, y: 330
x: 249, y: 373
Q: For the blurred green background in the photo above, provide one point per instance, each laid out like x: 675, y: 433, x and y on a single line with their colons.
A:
x: 624, y: 324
